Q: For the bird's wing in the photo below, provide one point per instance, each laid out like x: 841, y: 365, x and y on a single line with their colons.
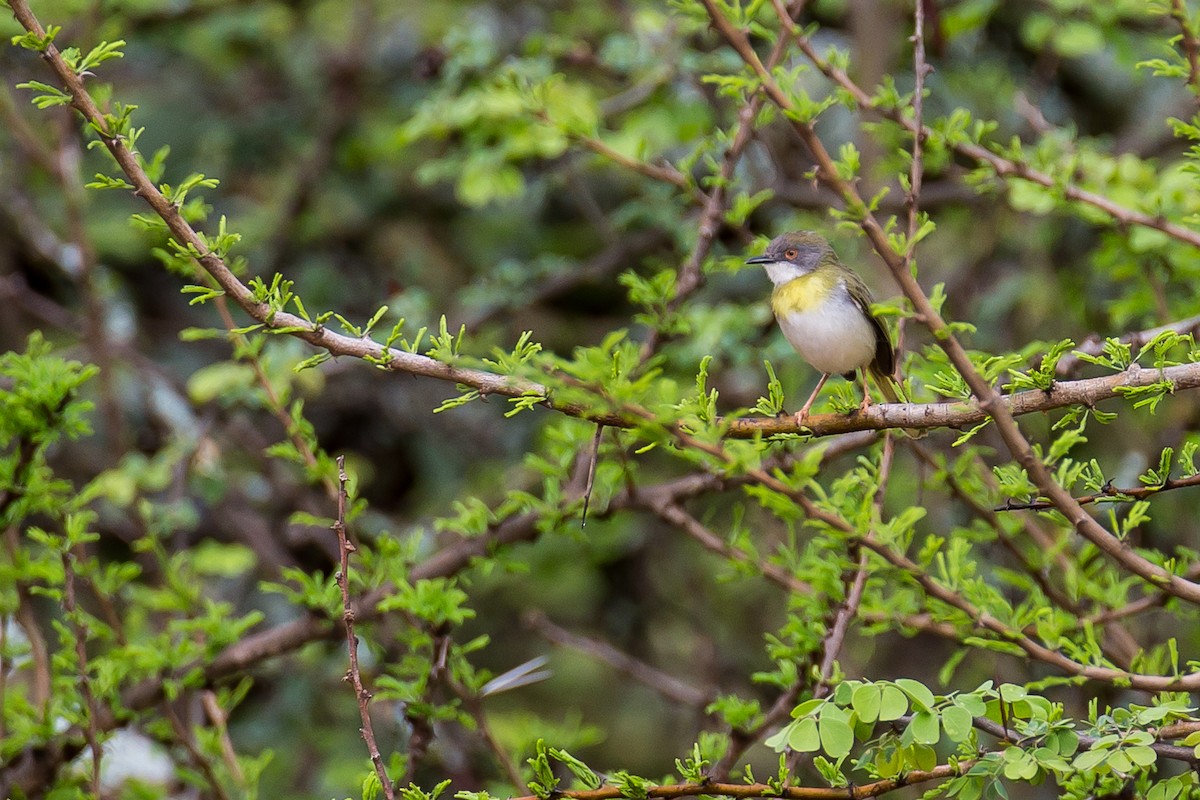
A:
x: 884, y: 363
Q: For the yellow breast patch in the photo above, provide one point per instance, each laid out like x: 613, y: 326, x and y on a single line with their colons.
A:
x: 804, y: 293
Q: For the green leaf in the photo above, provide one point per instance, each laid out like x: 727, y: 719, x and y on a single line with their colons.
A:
x: 921, y: 697
x: 925, y: 728
x: 893, y: 703
x: 1089, y: 760
x: 867, y: 701
x: 804, y: 737
x: 957, y: 722
x: 837, y: 737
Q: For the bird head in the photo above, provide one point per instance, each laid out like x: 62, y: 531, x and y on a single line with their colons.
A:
x: 792, y: 255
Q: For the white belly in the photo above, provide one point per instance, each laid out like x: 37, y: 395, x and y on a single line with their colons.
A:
x: 834, y: 337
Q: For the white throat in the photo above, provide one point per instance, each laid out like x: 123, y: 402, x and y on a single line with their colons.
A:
x: 781, y: 272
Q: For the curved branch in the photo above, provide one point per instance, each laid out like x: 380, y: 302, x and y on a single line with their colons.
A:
x: 958, y: 414
x: 1110, y: 494
x: 749, y: 790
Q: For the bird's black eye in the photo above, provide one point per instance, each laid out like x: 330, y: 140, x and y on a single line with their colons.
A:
x: 790, y: 254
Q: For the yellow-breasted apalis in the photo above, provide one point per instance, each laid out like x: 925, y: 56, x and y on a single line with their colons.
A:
x: 824, y: 311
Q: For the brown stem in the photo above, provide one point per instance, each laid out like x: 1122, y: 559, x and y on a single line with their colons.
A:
x: 198, y: 759
x: 664, y: 683
x: 1189, y: 42
x: 80, y: 631
x: 1110, y: 494
x: 353, y: 675
x: 748, y: 790
x: 220, y: 722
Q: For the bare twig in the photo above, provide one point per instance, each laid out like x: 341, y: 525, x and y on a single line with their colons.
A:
x: 675, y: 514
x: 1189, y: 43
x: 1034, y: 649
x: 1142, y: 604
x: 917, y: 166
x: 691, y: 275
x: 353, y: 675
x: 665, y: 172
x: 1050, y: 585
x: 1109, y: 494
x: 1094, y: 345
x: 664, y: 683
x: 220, y: 722
x: 593, y: 461
x: 199, y: 760
x: 80, y: 631
x: 847, y: 610
x: 756, y: 790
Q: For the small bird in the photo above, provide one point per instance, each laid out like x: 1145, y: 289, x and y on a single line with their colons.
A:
x: 824, y: 310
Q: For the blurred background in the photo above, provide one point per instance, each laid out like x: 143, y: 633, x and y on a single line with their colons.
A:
x: 473, y: 161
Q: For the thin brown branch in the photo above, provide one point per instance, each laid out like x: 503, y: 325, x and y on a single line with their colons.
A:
x: 1110, y: 494
x: 593, y: 461
x: 1094, y: 345
x: 1189, y: 42
x: 1123, y: 647
x: 353, y: 674
x: 1142, y: 604
x: 854, y: 581
x: 691, y: 274
x: 676, y: 515
x: 201, y: 762
x: 831, y: 646
x: 664, y: 683
x: 275, y: 404
x: 1034, y: 649
x: 754, y: 790
x: 917, y: 165
x: 1177, y: 730
x: 473, y: 704
x: 80, y: 632
x: 665, y: 172
x: 220, y: 722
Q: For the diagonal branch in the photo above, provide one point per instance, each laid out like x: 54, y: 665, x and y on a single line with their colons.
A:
x: 664, y: 683
x: 762, y: 790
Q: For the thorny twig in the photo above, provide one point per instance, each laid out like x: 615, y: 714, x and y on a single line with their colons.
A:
x: 80, y: 631
x: 353, y: 675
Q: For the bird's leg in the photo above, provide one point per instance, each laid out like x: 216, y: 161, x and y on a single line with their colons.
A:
x: 866, y: 403
x: 802, y: 414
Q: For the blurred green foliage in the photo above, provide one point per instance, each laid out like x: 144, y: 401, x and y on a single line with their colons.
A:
x: 527, y: 189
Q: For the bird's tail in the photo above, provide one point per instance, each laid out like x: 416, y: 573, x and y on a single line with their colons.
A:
x: 894, y: 392
x: 891, y: 389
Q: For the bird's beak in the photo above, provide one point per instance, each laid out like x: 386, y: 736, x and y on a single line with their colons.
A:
x: 763, y: 259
